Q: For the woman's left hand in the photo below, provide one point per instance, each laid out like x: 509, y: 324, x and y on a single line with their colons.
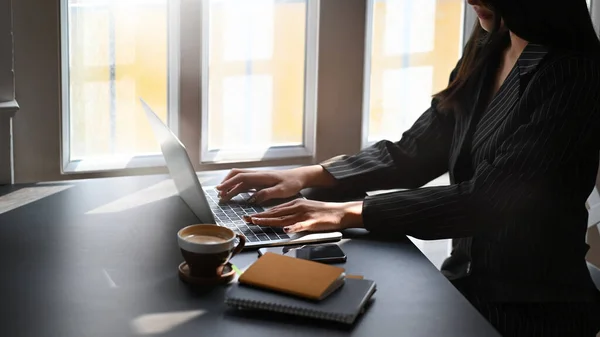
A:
x: 302, y: 215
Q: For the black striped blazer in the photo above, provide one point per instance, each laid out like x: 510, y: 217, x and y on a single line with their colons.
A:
x: 521, y: 170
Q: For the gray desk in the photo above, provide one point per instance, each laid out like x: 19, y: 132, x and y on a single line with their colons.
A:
x: 99, y: 258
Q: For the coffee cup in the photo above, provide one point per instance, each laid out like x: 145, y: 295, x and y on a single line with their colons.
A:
x: 208, y: 248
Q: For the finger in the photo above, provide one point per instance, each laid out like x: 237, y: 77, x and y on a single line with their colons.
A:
x: 239, y: 188
x: 252, y: 180
x: 282, y: 221
x: 231, y: 174
x: 266, y: 194
x: 302, y: 226
x: 272, y: 213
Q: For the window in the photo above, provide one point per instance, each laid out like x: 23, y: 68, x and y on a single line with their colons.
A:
x: 413, y: 46
x: 239, y: 81
x: 115, y: 52
x: 260, y: 83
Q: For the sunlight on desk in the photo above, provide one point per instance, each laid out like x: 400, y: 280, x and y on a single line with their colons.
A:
x: 158, y: 323
x: 162, y: 190
x: 28, y: 195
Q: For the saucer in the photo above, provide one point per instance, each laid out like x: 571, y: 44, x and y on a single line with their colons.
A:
x: 226, y: 276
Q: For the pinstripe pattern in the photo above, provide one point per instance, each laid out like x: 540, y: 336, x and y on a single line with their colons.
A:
x: 536, y: 319
x: 521, y: 170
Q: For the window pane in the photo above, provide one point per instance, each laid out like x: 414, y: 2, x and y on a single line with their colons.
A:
x: 117, y: 54
x: 256, y: 73
x: 415, y: 44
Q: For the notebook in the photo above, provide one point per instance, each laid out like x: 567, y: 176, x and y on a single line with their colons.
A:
x: 298, y: 277
x: 343, y: 306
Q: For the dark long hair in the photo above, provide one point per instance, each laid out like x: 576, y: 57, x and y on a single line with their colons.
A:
x: 556, y: 24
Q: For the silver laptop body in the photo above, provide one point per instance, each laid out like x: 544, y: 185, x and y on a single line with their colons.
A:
x: 204, y: 203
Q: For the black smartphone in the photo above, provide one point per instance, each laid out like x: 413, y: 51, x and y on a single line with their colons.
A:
x: 327, y: 253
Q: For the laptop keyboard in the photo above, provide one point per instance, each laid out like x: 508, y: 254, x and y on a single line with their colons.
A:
x: 230, y: 215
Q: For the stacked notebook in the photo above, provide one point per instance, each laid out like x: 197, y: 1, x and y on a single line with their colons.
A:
x: 293, y: 286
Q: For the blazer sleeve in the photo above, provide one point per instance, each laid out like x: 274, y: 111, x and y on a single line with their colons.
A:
x: 562, y: 127
x: 420, y: 156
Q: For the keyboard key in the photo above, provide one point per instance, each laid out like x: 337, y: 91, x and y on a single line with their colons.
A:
x: 267, y: 230
x: 284, y: 236
x: 256, y: 229
x: 252, y: 238
x: 278, y: 230
x: 262, y: 237
x: 273, y: 236
x: 245, y: 230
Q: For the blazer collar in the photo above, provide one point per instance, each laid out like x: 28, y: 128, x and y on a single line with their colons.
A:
x: 530, y: 58
x: 504, y: 101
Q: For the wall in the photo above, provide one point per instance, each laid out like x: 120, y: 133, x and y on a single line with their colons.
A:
x: 593, y: 235
x: 593, y: 240
x: 7, y: 90
x: 37, y: 83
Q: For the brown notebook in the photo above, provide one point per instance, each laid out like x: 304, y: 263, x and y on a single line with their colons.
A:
x: 298, y: 277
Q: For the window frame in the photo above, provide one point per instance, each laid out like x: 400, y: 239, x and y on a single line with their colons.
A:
x: 207, y: 158
x: 467, y: 21
x: 39, y: 131
x: 307, y: 148
x: 38, y: 128
x: 116, y: 163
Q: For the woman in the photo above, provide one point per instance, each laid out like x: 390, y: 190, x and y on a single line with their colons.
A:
x: 518, y: 129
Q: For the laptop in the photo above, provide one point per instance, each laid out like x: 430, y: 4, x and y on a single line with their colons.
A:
x: 204, y: 203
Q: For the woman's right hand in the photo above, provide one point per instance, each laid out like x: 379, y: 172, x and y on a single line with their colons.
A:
x: 273, y: 184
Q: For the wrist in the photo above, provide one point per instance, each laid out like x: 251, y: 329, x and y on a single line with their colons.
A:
x: 316, y: 176
x: 352, y: 217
